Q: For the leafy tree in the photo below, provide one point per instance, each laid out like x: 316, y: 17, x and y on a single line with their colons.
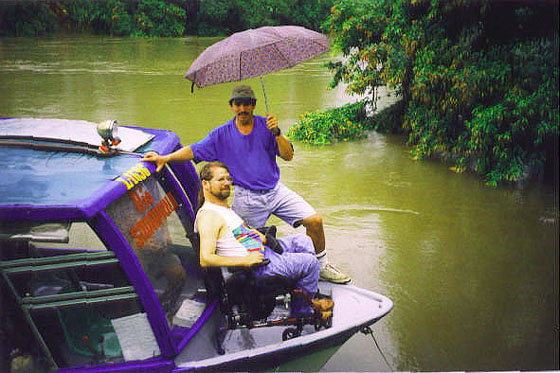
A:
x: 216, y: 17
x: 26, y: 19
x: 110, y: 17
x: 220, y: 17
x: 478, y: 80
x: 309, y: 14
x: 158, y: 18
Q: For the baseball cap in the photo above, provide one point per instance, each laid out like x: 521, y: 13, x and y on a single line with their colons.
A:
x: 242, y: 91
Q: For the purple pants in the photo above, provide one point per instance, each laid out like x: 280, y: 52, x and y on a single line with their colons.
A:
x: 297, y: 262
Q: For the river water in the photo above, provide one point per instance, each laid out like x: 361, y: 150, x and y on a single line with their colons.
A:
x: 473, y: 271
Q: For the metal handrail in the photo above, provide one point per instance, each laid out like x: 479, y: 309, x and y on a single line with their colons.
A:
x: 56, y: 259
x: 50, y: 267
x: 76, y: 295
x: 82, y: 301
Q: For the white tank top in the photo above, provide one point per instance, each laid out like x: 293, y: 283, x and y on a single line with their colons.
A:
x: 239, y: 239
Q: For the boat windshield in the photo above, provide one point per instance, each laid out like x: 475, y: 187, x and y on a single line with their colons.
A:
x: 64, y: 297
x: 154, y: 223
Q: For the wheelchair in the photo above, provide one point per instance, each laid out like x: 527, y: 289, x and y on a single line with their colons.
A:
x: 247, y: 301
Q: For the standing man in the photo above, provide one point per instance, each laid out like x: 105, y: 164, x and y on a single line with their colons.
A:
x: 248, y: 144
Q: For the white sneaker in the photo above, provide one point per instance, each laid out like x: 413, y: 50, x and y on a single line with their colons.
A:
x: 332, y: 274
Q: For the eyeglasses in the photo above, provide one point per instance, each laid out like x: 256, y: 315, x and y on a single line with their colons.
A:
x: 222, y: 180
x: 244, y: 101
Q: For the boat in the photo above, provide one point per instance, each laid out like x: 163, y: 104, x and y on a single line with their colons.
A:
x: 99, y: 263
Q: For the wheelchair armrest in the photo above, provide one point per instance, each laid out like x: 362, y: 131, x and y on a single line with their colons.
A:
x: 233, y: 269
x: 261, y: 264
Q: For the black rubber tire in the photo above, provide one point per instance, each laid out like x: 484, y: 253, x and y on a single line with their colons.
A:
x: 290, y: 333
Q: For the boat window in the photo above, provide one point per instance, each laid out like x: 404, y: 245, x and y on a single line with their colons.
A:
x: 25, y: 230
x: 80, y: 237
x: 64, y: 308
x: 149, y: 217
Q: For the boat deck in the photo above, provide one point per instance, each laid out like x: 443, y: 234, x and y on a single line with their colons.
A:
x: 354, y: 308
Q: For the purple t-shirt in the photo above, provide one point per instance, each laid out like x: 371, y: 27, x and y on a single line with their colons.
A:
x: 251, y: 158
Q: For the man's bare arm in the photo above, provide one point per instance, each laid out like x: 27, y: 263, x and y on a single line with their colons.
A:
x: 182, y: 155
x: 210, y: 225
x: 285, y: 148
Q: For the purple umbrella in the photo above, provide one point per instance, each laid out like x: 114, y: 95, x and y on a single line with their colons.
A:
x: 255, y: 52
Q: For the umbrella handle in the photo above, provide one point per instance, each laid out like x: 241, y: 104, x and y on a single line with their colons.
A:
x: 264, y: 92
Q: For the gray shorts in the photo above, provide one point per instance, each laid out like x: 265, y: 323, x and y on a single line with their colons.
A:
x: 255, y: 207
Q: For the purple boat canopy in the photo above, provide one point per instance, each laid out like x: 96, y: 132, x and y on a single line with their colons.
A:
x: 60, y: 174
x: 77, y: 132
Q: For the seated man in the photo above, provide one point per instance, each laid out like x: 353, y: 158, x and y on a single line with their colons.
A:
x: 225, y: 240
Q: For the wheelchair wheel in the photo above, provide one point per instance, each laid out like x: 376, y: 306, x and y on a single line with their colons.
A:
x: 290, y: 333
x: 318, y: 324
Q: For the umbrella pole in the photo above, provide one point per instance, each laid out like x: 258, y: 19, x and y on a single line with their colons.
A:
x: 265, y: 99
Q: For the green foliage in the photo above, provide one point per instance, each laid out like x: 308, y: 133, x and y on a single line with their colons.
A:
x: 345, y: 123
x: 166, y: 18
x: 110, y: 17
x: 352, y: 25
x: 325, y: 127
x: 508, y: 129
x: 478, y: 79
x: 157, y: 18
x: 218, y: 17
x: 26, y: 19
x: 102, y: 17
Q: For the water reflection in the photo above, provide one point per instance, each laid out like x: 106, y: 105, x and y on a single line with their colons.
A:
x: 472, y: 271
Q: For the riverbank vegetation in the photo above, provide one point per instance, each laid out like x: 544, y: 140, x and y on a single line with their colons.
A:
x: 343, y: 123
x: 478, y: 80
x: 161, y: 18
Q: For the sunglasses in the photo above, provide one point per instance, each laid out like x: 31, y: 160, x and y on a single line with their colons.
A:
x: 243, y: 101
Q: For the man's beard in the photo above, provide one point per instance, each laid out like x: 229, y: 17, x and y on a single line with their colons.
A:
x: 222, y: 193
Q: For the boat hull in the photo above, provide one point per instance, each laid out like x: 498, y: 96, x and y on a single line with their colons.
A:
x: 261, y: 349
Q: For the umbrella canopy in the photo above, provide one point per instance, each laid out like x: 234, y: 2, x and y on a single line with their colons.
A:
x: 255, y: 52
